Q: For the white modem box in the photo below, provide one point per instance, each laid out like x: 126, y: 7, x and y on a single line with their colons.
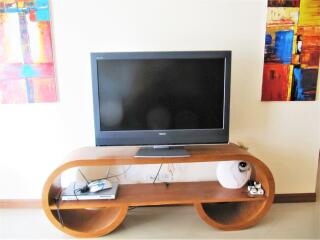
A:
x: 72, y: 192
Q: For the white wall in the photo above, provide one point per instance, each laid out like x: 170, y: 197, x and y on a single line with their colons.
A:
x: 34, y: 138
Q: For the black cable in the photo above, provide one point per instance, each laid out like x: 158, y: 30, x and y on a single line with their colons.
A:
x: 155, y: 179
x: 120, y: 174
x: 107, y: 177
x: 84, y: 177
x: 58, y: 201
x: 131, y: 208
x: 74, y: 191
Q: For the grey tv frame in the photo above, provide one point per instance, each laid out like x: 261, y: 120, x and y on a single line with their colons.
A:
x: 162, y: 137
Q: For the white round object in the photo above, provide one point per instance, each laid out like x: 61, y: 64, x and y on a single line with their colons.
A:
x: 229, y: 175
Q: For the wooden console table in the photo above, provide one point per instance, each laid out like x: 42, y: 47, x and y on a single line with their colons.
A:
x: 226, y: 209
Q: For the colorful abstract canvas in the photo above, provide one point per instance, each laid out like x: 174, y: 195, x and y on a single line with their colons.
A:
x: 292, y: 50
x: 26, y: 59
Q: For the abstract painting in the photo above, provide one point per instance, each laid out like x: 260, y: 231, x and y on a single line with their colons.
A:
x: 292, y: 50
x: 26, y: 59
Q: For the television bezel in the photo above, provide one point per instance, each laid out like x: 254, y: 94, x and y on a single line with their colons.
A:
x: 167, y: 137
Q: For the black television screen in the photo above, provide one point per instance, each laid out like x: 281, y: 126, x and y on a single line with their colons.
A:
x: 163, y: 98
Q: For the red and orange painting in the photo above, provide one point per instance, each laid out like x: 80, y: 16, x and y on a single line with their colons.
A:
x: 26, y: 59
x: 292, y: 50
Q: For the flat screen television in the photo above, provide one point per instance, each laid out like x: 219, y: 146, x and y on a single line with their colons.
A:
x: 161, y: 98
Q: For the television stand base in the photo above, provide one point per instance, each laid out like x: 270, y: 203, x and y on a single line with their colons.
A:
x: 162, y: 152
x: 227, y: 209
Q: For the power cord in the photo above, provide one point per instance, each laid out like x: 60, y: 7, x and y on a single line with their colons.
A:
x: 58, y: 201
x: 113, y: 176
x: 155, y: 178
x: 75, y: 190
x: 84, y: 177
x: 131, y: 208
x: 107, y: 177
x: 120, y: 174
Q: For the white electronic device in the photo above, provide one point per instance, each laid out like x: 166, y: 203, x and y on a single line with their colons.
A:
x: 99, y: 185
x: 73, y: 192
x: 255, y: 189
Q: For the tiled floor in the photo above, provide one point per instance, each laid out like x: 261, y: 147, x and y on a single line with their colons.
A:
x: 284, y: 221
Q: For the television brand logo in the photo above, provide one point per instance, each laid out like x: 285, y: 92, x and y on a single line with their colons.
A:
x: 162, y: 134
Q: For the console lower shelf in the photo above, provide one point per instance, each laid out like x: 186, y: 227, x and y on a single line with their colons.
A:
x: 162, y: 194
x: 227, y: 209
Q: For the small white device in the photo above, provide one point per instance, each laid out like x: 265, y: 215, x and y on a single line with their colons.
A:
x: 255, y: 189
x: 73, y: 193
x: 99, y: 185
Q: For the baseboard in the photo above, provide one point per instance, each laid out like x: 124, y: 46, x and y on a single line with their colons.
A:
x: 295, y: 198
x: 318, y: 177
x: 279, y: 198
x: 20, y: 203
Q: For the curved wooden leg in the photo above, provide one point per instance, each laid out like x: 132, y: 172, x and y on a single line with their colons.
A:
x: 89, y: 222
x: 231, y: 215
